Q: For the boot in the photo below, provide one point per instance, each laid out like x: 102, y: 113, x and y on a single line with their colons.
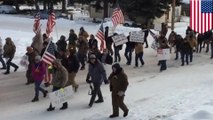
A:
x: 64, y: 106
x: 113, y: 116
x: 99, y: 101
x: 16, y: 68
x: 50, y: 108
x: 35, y: 99
x: 126, y: 113
x: 45, y: 93
x: 7, y: 72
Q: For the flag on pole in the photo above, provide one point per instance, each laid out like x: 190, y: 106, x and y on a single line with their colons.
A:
x: 100, y: 36
x: 49, y: 54
x: 153, y: 35
x: 50, y: 23
x: 201, y: 15
x: 36, y: 25
x: 117, y: 16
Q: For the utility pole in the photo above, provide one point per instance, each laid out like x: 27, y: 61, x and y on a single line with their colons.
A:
x: 173, y: 14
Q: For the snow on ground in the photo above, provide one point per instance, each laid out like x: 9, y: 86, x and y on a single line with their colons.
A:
x: 179, y: 93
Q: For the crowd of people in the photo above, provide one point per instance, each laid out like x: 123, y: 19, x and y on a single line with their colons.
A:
x: 73, y: 53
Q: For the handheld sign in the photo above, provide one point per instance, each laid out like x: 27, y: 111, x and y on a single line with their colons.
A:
x: 137, y: 36
x: 163, y: 54
x: 119, y: 39
x: 60, y: 96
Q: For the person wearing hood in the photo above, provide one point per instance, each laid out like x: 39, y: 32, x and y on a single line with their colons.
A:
x: 60, y: 78
x: 118, y: 85
x: 9, y: 53
x: 98, y: 75
x: 38, y: 72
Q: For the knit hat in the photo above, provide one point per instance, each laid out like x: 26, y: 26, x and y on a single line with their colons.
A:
x: 38, y: 58
x: 92, y: 56
x: 116, y: 66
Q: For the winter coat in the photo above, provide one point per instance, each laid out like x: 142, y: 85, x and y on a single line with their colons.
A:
x: 97, y: 72
x: 9, y: 49
x: 38, y: 71
x: 129, y: 44
x: 93, y: 42
x: 118, y: 81
x: 138, y: 48
x: 171, y: 39
x: 60, y: 76
x: 72, y: 39
x: 84, y: 34
x: 61, y: 45
x: 82, y: 46
x: 72, y: 64
x: 193, y: 43
x: 185, y: 47
x: 178, y: 41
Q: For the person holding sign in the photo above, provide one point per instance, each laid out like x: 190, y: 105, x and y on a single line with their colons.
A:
x: 128, y: 51
x: 60, y: 78
x: 162, y: 63
x: 139, y: 54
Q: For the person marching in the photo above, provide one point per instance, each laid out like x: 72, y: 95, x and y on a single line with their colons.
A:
x: 118, y: 85
x: 138, y: 54
x: 38, y: 71
x: 98, y: 75
x: 60, y: 78
x: 9, y: 52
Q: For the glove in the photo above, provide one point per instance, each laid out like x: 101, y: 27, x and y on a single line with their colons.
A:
x: 88, y: 81
x: 106, y: 81
x: 121, y: 93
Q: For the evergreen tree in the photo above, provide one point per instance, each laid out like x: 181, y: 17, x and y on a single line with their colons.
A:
x: 142, y: 11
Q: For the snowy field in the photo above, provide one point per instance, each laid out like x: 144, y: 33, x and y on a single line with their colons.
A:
x: 179, y: 93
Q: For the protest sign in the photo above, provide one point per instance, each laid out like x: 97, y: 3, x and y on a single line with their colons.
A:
x: 137, y: 36
x: 60, y: 96
x: 119, y: 39
x: 163, y: 54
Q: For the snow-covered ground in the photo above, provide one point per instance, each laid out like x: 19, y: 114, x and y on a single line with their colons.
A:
x: 179, y: 93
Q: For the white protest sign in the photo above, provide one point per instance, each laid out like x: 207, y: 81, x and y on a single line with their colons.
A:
x: 60, y: 96
x: 163, y: 54
x: 119, y: 39
x: 157, y: 27
x: 137, y: 36
x: 154, y: 45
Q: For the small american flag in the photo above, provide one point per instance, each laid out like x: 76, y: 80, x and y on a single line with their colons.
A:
x: 50, y: 23
x: 100, y: 36
x: 36, y: 23
x: 49, y: 54
x: 153, y: 35
x: 117, y: 16
x: 201, y: 15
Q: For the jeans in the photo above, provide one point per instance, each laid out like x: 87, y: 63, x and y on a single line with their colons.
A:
x: 128, y: 55
x: 117, y: 55
x: 9, y: 63
x: 184, y: 57
x: 140, y: 57
x: 2, y: 61
x: 38, y: 88
x: 96, y: 91
x: 163, y: 65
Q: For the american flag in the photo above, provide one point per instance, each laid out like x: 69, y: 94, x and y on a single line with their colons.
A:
x: 50, y: 23
x: 49, y: 54
x: 36, y: 23
x: 153, y: 35
x: 100, y: 36
x: 117, y: 16
x: 201, y: 15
